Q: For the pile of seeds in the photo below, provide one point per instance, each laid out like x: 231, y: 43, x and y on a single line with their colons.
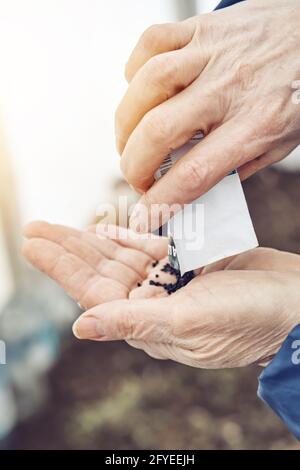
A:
x: 180, y: 281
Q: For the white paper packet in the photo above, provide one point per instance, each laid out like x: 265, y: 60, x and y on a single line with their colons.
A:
x: 214, y: 226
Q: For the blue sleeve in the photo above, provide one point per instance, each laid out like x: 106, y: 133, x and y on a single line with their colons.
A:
x: 279, y: 384
x: 227, y: 3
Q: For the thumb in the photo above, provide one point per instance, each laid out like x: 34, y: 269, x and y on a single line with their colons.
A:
x: 141, y: 319
x: 220, y: 152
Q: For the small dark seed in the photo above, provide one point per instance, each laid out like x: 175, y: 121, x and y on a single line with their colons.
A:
x: 179, y: 281
x: 139, y: 284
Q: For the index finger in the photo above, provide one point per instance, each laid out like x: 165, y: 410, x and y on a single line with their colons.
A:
x: 197, y: 171
x: 157, y: 39
x: 155, y: 246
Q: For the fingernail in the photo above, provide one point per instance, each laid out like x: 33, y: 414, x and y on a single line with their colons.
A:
x: 86, y: 328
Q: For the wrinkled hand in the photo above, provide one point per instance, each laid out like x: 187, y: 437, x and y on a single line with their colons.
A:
x: 229, y: 73
x: 236, y: 312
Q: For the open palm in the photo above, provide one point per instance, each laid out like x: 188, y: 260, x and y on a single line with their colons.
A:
x: 93, y: 268
x: 235, y: 312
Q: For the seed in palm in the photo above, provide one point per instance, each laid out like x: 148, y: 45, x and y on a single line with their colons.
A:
x: 180, y: 281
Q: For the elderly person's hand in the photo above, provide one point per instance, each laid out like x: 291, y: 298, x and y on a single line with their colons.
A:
x: 235, y: 312
x: 233, y: 74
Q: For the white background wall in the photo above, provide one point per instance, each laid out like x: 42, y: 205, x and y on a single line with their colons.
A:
x: 61, y: 78
x: 206, y: 5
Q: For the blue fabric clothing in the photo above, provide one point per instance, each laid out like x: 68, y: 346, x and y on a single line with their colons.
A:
x: 279, y: 383
x: 227, y: 3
